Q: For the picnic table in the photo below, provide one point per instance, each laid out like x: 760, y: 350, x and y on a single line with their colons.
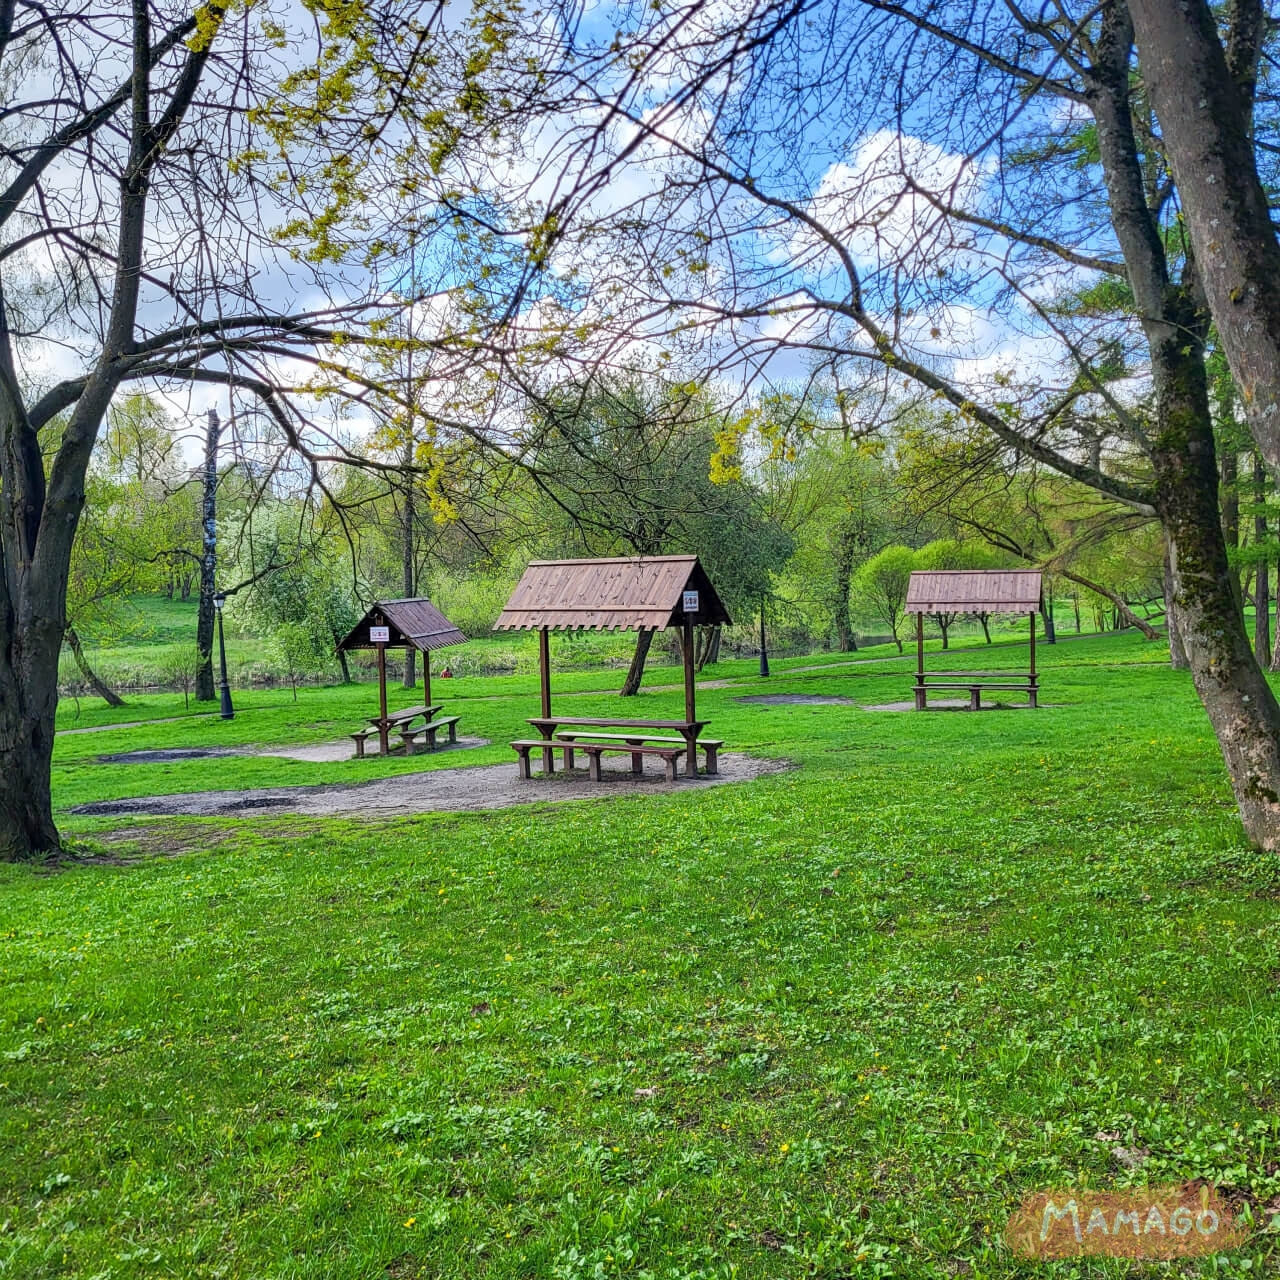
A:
x: 403, y: 721
x: 594, y: 735
x: 975, y: 682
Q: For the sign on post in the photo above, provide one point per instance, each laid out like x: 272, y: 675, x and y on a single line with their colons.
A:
x: 379, y: 635
x: 691, y: 602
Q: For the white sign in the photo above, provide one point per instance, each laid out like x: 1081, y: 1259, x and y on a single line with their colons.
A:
x: 379, y: 635
x: 691, y: 602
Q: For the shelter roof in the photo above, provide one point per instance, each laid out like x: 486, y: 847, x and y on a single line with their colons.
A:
x: 619, y: 593
x: 416, y: 623
x: 974, y: 591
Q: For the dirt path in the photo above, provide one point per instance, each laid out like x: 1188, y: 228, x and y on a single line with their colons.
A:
x: 438, y: 790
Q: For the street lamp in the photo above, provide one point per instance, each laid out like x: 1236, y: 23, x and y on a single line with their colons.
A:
x: 764, y: 653
x: 228, y: 711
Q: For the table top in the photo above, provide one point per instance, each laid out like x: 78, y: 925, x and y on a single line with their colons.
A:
x: 609, y: 722
x: 402, y: 717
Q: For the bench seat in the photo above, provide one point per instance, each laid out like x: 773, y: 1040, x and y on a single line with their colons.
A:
x: 1028, y: 685
x: 359, y: 739
x: 710, y: 745
x: 524, y: 748
x: 427, y: 733
x: 670, y: 757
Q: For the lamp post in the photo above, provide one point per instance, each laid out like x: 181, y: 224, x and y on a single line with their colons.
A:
x: 228, y: 711
x: 764, y: 654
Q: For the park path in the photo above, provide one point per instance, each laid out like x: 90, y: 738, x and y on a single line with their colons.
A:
x: 494, y: 786
x: 135, y: 724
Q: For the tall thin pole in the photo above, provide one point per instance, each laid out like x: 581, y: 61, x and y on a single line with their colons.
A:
x: 690, y: 691
x: 384, y: 742
x: 544, y: 669
x: 228, y: 711
x: 426, y: 675
x: 764, y: 653
x: 690, y: 700
x: 922, y: 695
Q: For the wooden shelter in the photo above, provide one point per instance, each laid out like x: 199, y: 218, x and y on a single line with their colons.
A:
x: 974, y: 591
x: 629, y: 594
x: 401, y: 624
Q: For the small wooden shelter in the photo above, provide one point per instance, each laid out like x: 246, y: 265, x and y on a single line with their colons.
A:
x: 974, y: 591
x: 641, y: 593
x: 401, y: 624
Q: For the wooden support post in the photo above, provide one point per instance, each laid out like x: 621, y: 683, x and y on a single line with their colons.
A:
x: 384, y: 744
x: 544, y: 673
x: 690, y: 701
x: 920, y: 689
x: 1034, y: 677
x: 426, y: 674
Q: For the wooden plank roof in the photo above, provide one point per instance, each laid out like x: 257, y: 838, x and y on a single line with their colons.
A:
x: 416, y: 623
x: 974, y: 591
x: 630, y: 594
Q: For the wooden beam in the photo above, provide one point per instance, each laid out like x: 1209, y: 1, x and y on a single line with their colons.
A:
x: 690, y: 690
x: 426, y: 675
x: 544, y: 669
x: 690, y: 701
x: 384, y: 743
x: 544, y: 672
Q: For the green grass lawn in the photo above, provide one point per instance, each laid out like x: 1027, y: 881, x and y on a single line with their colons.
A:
x: 833, y: 1022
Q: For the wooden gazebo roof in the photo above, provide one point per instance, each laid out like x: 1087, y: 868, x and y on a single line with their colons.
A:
x: 974, y: 591
x: 416, y: 623
x: 641, y: 593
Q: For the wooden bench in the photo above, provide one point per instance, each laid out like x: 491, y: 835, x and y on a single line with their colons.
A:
x: 395, y: 720
x: 610, y: 729
x: 711, y: 746
x: 975, y: 684
x: 524, y: 746
x: 670, y: 756
x: 428, y: 733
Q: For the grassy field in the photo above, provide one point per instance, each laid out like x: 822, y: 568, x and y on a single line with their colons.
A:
x: 833, y: 1022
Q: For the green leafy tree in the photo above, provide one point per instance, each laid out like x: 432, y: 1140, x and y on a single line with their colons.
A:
x: 880, y: 586
x: 627, y: 469
x: 295, y: 585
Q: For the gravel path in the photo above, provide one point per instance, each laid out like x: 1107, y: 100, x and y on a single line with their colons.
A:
x: 437, y: 790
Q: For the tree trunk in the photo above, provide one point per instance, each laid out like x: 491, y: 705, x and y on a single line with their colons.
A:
x: 846, y: 553
x: 1235, y: 694
x: 343, y: 665
x: 635, y: 672
x: 944, y: 625
x: 1203, y: 98
x: 1121, y: 611
x: 985, y: 620
x: 1230, y: 502
x: 208, y: 559
x: 407, y: 559
x: 1173, y: 623
x: 710, y: 646
x: 29, y: 648
x: 109, y: 696
x: 1262, y: 592
x: 1046, y: 613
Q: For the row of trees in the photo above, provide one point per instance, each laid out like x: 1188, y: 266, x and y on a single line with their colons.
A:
x: 826, y: 534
